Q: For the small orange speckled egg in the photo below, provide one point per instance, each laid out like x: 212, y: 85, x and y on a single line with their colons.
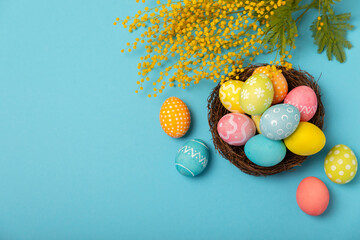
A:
x: 278, y: 80
x: 175, y: 117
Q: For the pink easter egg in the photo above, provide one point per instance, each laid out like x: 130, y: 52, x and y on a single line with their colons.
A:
x: 312, y: 196
x: 236, y: 128
x: 304, y: 98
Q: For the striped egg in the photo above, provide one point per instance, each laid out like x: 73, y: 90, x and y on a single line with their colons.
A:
x: 278, y: 80
x: 175, y: 117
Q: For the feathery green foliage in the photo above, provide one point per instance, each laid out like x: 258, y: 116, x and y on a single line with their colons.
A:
x: 328, y: 30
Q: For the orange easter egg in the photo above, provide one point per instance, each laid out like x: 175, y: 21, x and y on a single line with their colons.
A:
x: 175, y: 117
x: 278, y: 80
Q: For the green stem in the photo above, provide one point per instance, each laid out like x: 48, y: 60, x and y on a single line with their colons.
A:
x: 307, y: 9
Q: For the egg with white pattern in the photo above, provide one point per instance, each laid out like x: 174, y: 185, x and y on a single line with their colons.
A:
x: 236, y: 128
x: 278, y: 80
x: 340, y: 164
x: 279, y: 121
x: 229, y: 94
x: 192, y: 158
x: 175, y: 117
x: 256, y: 94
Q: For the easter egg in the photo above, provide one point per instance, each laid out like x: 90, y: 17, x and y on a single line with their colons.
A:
x: 278, y: 80
x: 304, y: 98
x: 340, y: 164
x: 264, y: 152
x: 279, y: 121
x: 229, y: 95
x: 256, y: 119
x: 174, y: 117
x: 192, y: 158
x: 236, y: 128
x: 256, y: 94
x: 312, y: 196
x: 306, y: 140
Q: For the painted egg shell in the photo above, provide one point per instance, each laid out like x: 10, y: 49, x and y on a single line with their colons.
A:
x: 307, y: 140
x: 256, y: 119
x: 256, y: 94
x: 304, y: 98
x: 312, y: 196
x: 279, y: 121
x: 192, y: 158
x: 278, y: 80
x: 236, y: 128
x: 264, y: 152
x: 174, y: 117
x: 340, y: 164
x: 229, y: 95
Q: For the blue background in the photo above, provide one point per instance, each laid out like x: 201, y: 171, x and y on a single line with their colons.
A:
x: 83, y: 157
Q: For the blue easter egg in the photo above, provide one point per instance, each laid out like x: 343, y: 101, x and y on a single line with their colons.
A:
x: 279, y: 121
x: 192, y: 158
x: 264, y: 152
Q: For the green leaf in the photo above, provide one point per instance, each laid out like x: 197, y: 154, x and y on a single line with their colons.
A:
x: 327, y: 6
x: 281, y: 31
x: 332, y: 35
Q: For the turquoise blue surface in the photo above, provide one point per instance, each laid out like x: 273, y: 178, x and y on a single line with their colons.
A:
x: 83, y: 157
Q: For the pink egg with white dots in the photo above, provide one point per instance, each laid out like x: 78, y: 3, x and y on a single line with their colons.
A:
x: 304, y: 99
x: 236, y: 128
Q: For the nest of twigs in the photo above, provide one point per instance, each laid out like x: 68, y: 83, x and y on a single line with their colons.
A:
x: 235, y: 154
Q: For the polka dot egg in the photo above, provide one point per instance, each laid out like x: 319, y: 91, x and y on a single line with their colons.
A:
x: 278, y: 80
x: 236, y: 128
x: 229, y: 95
x: 279, y: 121
x: 340, y: 164
x: 174, y: 117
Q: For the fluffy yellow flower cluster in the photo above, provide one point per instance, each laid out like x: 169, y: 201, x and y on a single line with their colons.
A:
x: 206, y: 39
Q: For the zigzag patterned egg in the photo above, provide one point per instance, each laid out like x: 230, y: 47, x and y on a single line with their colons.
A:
x: 304, y: 98
x: 236, y: 128
x: 175, y: 117
x: 192, y: 158
x: 230, y: 95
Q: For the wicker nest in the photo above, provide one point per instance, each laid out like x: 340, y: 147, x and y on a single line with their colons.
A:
x: 236, y: 154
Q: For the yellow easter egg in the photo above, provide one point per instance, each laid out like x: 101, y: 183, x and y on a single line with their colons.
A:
x: 278, y: 80
x: 340, y: 164
x: 257, y: 94
x: 307, y: 140
x: 256, y: 119
x: 230, y: 95
x: 175, y: 117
